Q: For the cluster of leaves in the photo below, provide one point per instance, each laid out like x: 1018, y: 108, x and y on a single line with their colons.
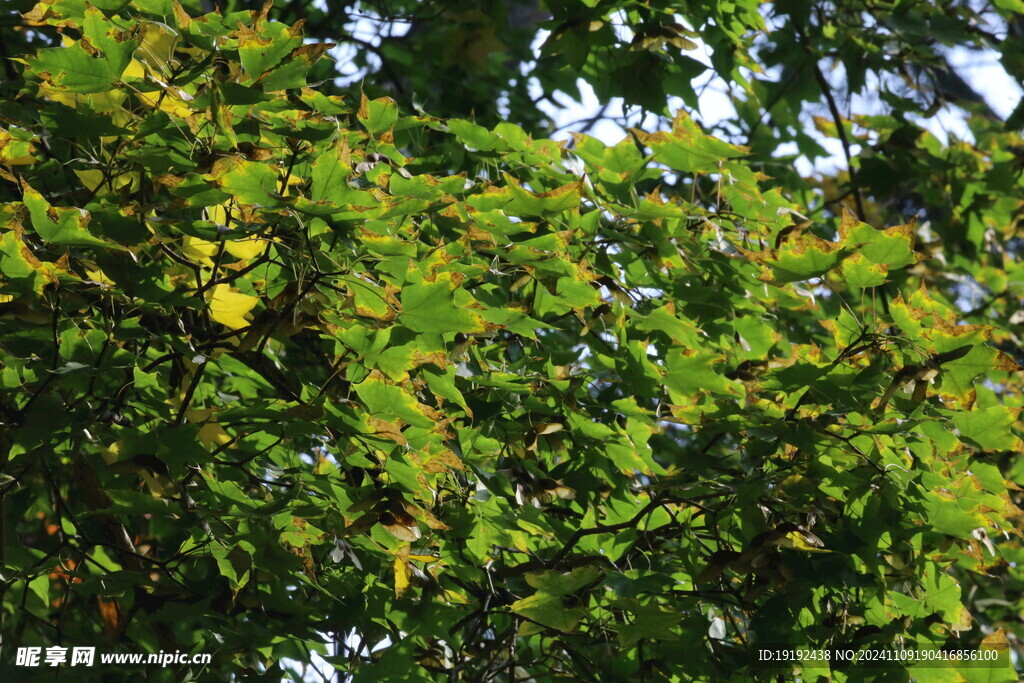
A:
x: 283, y: 372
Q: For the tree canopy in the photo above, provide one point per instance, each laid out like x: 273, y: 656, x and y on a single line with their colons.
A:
x: 328, y: 359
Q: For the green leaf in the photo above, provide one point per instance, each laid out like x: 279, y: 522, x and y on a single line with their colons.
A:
x: 476, y: 137
x: 803, y: 258
x: 292, y: 72
x: 22, y: 271
x: 989, y: 428
x: 558, y: 584
x: 74, y: 70
x: 526, y: 203
x: 330, y: 171
x: 686, y: 148
x: 66, y: 226
x: 386, y: 402
x: 117, y: 46
x: 948, y: 515
x: 663, y: 319
x: 649, y: 621
x: 443, y: 385
x: 860, y: 273
x: 430, y: 307
x: 234, y: 563
x: 378, y: 116
x: 691, y: 372
x: 892, y: 247
x: 264, y: 48
x: 549, y: 611
x: 250, y: 182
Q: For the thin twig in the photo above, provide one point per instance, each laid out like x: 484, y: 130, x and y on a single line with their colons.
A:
x: 837, y: 117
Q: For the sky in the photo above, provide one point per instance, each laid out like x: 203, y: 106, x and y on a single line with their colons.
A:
x: 983, y: 72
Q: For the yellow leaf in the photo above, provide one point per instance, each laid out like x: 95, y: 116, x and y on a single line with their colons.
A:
x: 212, y: 434
x: 14, y: 150
x: 425, y: 558
x: 94, y: 178
x: 199, y: 250
x: 135, y: 71
x: 157, y: 48
x: 800, y: 539
x: 110, y: 454
x: 97, y: 275
x: 401, y: 577
x: 230, y: 307
x: 248, y: 248
x: 171, y: 100
x: 105, y: 102
x: 963, y: 619
x: 197, y: 414
x: 547, y: 427
x: 218, y: 213
x: 91, y: 179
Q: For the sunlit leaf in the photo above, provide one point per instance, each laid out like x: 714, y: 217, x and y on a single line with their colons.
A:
x: 230, y: 307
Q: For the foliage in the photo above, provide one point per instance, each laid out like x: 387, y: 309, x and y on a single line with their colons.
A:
x: 285, y: 372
